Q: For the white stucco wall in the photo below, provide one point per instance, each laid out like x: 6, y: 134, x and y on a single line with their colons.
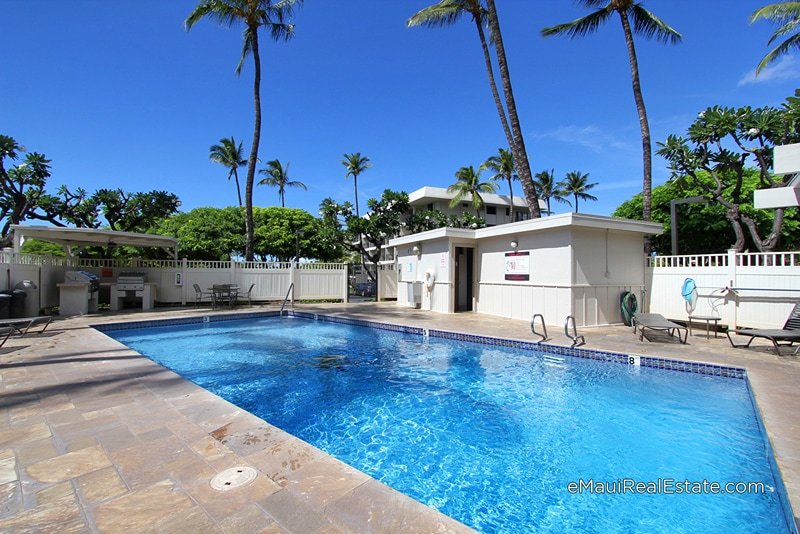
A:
x: 435, y: 256
x: 548, y: 290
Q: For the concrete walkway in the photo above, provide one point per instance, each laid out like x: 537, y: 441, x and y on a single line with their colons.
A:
x: 96, y: 438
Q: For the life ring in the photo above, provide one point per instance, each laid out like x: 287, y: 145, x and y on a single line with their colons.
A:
x: 430, y: 279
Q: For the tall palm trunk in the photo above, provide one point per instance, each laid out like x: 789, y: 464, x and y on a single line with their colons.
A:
x: 493, y: 85
x: 283, y: 196
x: 238, y: 189
x: 251, y: 163
x: 518, y: 147
x: 511, y: 195
x: 647, y: 157
x: 355, y: 187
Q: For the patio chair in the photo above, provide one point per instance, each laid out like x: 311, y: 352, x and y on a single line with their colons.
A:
x: 5, y: 333
x: 24, y: 324
x: 785, y: 337
x: 224, y: 294
x: 199, y: 294
x: 657, y: 322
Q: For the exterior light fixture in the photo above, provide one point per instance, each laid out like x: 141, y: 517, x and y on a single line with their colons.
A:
x: 417, y: 250
x: 514, y: 244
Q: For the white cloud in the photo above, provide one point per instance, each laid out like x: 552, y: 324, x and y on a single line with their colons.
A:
x: 785, y: 69
x: 589, y: 136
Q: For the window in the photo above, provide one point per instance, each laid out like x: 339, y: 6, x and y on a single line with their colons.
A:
x: 491, y: 210
x: 430, y: 206
x: 508, y: 212
x: 521, y: 215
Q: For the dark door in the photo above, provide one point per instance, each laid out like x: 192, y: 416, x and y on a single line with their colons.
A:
x: 463, y: 279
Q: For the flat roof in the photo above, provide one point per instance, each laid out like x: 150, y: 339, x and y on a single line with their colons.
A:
x: 80, y: 237
x: 534, y: 225
x: 427, y: 194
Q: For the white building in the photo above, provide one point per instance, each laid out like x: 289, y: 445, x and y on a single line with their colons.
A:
x: 567, y: 264
x: 497, y: 209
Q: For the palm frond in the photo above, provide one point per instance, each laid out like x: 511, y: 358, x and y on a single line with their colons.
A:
x: 649, y: 26
x: 444, y: 13
x: 220, y: 11
x: 780, y: 12
x: 778, y: 51
x: 580, y: 27
x: 247, y: 47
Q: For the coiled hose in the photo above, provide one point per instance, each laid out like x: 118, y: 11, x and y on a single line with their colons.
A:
x: 629, y: 306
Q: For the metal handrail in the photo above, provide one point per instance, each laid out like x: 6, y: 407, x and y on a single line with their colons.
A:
x: 577, y: 340
x: 290, y: 290
x: 533, y: 328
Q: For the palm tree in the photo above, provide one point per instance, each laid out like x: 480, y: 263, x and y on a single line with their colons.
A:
x: 228, y: 154
x: 787, y: 14
x: 278, y: 176
x: 647, y: 25
x: 548, y: 188
x: 355, y: 165
x: 469, y: 184
x: 254, y: 14
x: 577, y: 184
x: 446, y: 12
x: 503, y: 166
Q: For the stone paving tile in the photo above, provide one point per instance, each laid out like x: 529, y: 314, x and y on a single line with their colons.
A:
x: 24, y: 434
x: 374, y: 507
x: 101, y: 485
x: 142, y: 466
x: 250, y: 520
x: 194, y: 520
x: 323, y: 481
x: 70, y: 465
x: 246, y: 442
x: 280, y: 460
x: 8, y: 466
x: 213, y: 452
x: 36, y: 451
x: 140, y: 510
x: 293, y: 514
x: 54, y: 494
x: 10, y: 499
x: 61, y: 516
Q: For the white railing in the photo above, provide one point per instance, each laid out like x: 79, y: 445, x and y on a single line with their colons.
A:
x: 176, y: 279
x: 755, y: 289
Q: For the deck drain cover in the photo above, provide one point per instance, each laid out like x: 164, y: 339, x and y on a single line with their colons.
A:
x: 233, y: 478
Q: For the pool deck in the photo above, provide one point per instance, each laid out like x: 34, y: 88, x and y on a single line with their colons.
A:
x: 96, y: 438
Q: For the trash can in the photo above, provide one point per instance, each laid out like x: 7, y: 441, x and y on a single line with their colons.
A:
x: 31, y: 301
x: 17, y: 308
x: 5, y: 303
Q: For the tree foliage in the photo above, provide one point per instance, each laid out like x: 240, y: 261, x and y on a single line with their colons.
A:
x: 23, y: 197
x: 217, y: 234
x: 703, y: 228
x: 721, y: 143
x: 369, y: 234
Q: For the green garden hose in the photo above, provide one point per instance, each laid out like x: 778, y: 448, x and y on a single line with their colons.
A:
x: 629, y: 306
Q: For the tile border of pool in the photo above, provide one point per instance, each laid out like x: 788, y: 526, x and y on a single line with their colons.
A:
x: 689, y: 366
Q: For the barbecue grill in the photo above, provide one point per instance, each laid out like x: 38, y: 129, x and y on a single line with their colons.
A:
x: 130, y: 282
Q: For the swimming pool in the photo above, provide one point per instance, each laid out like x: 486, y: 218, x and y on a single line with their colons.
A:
x: 491, y: 436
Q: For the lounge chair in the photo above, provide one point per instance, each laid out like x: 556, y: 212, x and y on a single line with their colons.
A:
x: 22, y: 325
x: 785, y: 337
x: 656, y: 321
x: 5, y: 333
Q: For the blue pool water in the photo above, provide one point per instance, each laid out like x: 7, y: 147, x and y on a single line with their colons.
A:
x: 488, y: 435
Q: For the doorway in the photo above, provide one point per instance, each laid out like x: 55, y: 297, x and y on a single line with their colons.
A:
x: 463, y: 278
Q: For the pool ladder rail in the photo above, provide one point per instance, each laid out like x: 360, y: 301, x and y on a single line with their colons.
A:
x: 286, y: 298
x: 577, y: 340
x: 544, y: 328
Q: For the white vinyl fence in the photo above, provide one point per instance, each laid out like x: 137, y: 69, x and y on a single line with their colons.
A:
x: 270, y: 280
x: 744, y: 289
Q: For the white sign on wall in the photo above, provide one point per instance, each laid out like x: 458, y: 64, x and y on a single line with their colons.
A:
x: 517, y: 266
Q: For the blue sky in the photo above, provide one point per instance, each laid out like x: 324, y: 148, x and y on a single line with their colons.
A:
x: 118, y: 94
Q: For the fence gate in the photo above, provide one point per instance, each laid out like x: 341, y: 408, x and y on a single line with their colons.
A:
x: 362, y: 281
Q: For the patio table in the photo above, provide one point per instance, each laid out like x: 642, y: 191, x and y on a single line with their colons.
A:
x: 222, y: 294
